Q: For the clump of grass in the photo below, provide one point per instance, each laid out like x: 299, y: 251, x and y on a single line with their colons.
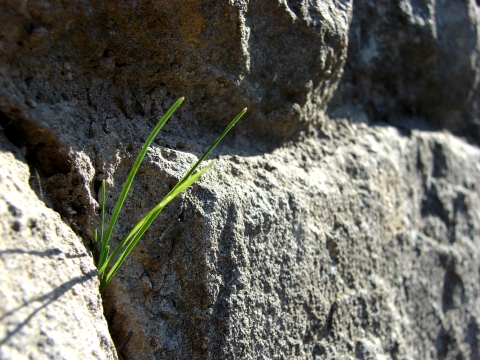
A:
x: 109, y: 263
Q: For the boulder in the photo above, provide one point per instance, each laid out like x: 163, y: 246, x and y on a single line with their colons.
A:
x: 125, y: 63
x: 51, y: 308
x: 362, y: 245
x: 415, y: 63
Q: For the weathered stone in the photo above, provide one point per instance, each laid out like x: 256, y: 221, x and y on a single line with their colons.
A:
x: 50, y: 305
x: 364, y: 245
x: 125, y: 63
x: 415, y: 61
x: 352, y: 240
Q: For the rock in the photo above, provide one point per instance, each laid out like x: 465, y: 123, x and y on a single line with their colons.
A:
x: 415, y: 62
x: 97, y: 66
x: 51, y: 307
x: 315, y: 235
x: 360, y: 246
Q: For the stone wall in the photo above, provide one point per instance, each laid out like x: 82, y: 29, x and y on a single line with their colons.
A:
x: 340, y: 219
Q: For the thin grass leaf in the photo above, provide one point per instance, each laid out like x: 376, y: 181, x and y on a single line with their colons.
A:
x: 210, y: 149
x: 146, y: 222
x: 152, y: 214
x: 131, y: 176
x: 123, y: 243
x: 132, y: 233
x: 130, y: 241
x: 151, y: 217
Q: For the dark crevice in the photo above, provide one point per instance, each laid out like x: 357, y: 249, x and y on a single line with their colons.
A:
x: 446, y: 345
x: 473, y: 333
x: 432, y: 205
x: 97, y: 185
x: 43, y: 151
x: 440, y: 161
x: 332, y: 250
x: 453, y: 289
x: 53, y: 176
x: 328, y: 328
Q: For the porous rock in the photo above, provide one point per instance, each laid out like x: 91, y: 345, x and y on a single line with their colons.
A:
x: 415, y: 63
x: 350, y: 239
x: 360, y: 246
x: 50, y: 305
x: 114, y: 62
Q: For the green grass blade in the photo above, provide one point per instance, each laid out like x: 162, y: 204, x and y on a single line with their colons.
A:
x: 146, y: 222
x: 123, y: 243
x: 210, y: 149
x: 133, y: 172
x: 131, y: 240
x: 170, y: 196
x: 178, y: 189
x: 156, y: 210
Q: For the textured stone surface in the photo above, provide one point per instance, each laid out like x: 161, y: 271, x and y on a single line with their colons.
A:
x: 414, y: 61
x: 50, y: 306
x: 360, y: 246
x: 125, y: 62
x: 353, y: 239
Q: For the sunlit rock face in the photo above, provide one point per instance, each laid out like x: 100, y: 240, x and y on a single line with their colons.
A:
x: 339, y: 221
x: 114, y: 59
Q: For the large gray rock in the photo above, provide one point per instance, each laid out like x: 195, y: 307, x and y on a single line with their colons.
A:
x: 364, y: 245
x: 50, y: 306
x: 112, y: 62
x: 348, y: 241
x: 414, y: 61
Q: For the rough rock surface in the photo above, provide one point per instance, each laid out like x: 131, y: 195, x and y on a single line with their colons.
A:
x: 315, y: 235
x: 415, y: 61
x: 50, y: 306
x: 364, y: 245
x: 125, y: 62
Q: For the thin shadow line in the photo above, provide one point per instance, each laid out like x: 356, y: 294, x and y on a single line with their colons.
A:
x: 48, y: 298
x: 46, y: 253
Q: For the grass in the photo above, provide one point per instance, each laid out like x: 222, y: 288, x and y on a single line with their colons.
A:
x: 108, y: 262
